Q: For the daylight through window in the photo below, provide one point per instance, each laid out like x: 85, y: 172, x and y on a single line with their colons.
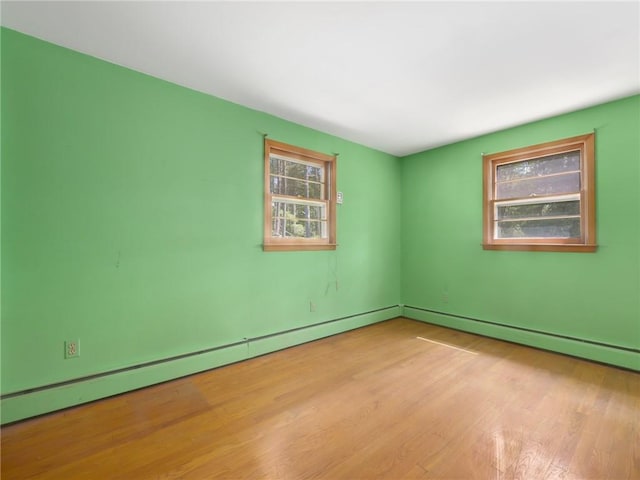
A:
x: 299, y: 198
x: 541, y: 197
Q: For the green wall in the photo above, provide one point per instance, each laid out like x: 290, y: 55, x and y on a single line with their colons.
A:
x: 591, y: 297
x: 132, y: 219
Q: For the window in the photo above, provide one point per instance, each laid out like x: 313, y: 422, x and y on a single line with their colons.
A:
x: 300, y: 198
x: 541, y: 197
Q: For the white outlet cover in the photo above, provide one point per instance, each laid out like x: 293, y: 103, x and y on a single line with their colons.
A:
x: 339, y: 198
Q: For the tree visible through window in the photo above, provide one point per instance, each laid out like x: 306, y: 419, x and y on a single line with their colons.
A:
x: 299, y: 198
x: 541, y: 197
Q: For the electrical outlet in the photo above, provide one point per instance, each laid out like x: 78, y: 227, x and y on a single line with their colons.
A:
x: 71, y: 348
x: 312, y: 307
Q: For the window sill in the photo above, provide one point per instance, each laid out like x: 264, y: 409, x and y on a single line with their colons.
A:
x: 280, y: 247
x: 539, y: 247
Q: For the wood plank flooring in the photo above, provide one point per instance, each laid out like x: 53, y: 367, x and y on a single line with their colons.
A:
x: 378, y: 402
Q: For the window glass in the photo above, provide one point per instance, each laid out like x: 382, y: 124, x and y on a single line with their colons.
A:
x: 541, y: 197
x: 299, y: 198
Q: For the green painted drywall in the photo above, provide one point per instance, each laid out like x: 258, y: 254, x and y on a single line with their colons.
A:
x: 594, y: 297
x: 132, y: 220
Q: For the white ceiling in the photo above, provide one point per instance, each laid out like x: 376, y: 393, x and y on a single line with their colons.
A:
x: 400, y: 77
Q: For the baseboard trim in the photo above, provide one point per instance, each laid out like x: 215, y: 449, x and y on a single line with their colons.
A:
x: 624, y: 357
x: 43, y: 399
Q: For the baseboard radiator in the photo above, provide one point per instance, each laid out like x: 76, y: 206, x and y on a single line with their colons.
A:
x: 617, y: 355
x: 42, y: 399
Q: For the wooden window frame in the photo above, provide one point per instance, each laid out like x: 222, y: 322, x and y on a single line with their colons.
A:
x: 587, y: 240
x: 328, y: 162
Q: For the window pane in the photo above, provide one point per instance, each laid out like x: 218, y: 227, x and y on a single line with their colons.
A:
x: 529, y: 210
x: 277, y: 227
x: 294, y: 229
x: 298, y: 210
x: 563, y: 162
x: 315, y: 229
x: 305, y: 229
x: 298, y: 220
x: 300, y: 170
x: 276, y: 166
x: 558, y: 184
x: 309, y: 212
x: 543, y: 228
x: 296, y: 188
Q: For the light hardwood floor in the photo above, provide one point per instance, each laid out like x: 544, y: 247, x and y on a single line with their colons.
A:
x: 378, y: 402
